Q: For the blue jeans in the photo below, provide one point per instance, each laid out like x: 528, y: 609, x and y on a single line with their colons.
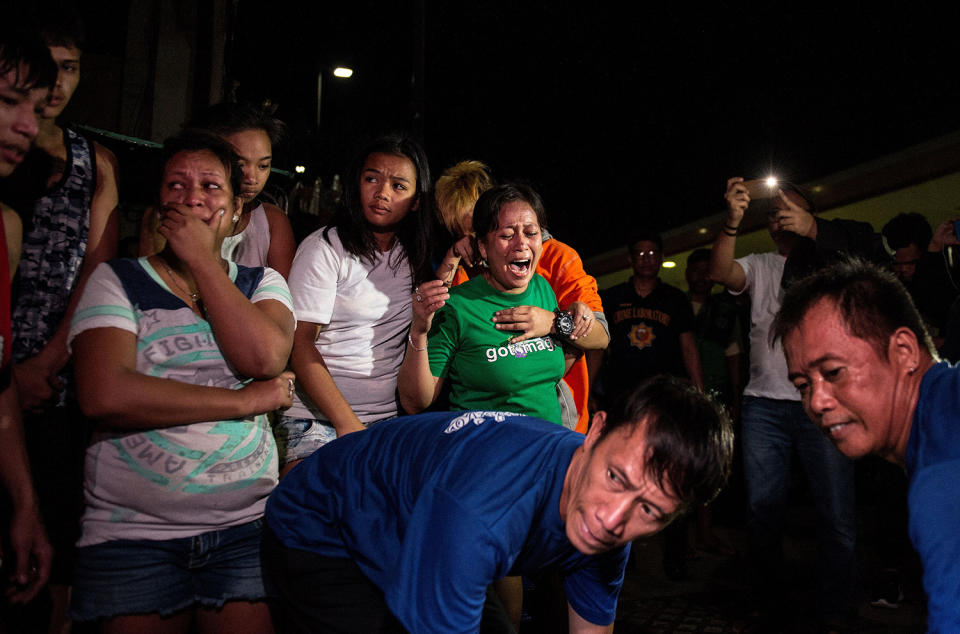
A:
x: 142, y: 576
x: 773, y: 430
x: 297, y: 438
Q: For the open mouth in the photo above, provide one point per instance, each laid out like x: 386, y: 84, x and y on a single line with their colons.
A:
x: 833, y: 431
x: 520, y: 268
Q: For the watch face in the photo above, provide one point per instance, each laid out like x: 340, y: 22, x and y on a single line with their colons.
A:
x: 564, y: 323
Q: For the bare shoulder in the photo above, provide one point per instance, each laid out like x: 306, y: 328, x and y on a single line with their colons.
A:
x: 282, y: 244
x: 107, y: 165
x: 11, y: 220
x: 275, y: 214
x: 13, y: 234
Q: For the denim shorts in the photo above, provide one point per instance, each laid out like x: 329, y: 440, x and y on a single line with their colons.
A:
x: 141, y: 576
x: 297, y: 438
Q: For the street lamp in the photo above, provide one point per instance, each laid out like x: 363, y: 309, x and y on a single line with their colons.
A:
x: 341, y: 72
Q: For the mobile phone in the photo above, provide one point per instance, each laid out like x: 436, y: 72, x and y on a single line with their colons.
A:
x: 760, y: 188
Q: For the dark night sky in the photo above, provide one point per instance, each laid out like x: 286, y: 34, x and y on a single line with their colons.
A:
x: 620, y: 115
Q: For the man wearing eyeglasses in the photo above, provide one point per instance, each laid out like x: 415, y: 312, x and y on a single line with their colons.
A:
x: 651, y: 323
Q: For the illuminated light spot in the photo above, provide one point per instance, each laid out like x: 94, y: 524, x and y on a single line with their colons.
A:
x: 342, y: 72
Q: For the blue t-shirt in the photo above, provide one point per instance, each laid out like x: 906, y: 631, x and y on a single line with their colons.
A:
x: 435, y: 507
x: 933, y: 467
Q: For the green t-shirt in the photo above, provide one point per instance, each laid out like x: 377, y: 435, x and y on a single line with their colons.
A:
x: 483, y: 370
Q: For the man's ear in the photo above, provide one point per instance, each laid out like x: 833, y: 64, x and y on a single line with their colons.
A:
x: 596, y: 428
x: 904, y: 349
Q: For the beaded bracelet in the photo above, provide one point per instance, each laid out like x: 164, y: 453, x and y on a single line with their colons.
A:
x: 413, y: 345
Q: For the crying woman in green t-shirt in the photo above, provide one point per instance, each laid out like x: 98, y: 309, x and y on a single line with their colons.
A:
x: 468, y: 335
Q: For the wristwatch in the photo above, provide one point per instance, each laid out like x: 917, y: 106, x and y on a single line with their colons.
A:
x: 563, y: 322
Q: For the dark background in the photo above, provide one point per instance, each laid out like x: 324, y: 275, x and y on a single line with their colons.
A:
x: 618, y: 115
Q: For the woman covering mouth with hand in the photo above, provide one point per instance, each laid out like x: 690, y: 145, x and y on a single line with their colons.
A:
x: 182, y: 459
x: 497, y: 338
x: 260, y: 233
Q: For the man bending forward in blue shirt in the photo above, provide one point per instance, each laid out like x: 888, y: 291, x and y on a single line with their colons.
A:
x: 406, y: 524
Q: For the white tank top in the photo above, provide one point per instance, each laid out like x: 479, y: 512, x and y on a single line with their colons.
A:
x: 250, y: 246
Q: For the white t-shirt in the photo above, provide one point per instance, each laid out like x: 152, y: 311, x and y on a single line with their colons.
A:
x: 367, y: 314
x: 177, y: 481
x: 768, y: 366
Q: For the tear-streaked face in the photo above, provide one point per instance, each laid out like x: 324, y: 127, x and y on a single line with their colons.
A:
x: 512, y: 250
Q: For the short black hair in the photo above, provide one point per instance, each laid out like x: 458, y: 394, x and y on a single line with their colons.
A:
x: 486, y: 213
x: 871, y: 300
x: 61, y: 25
x: 698, y: 255
x: 194, y: 140
x: 22, y: 46
x: 644, y: 234
x: 229, y: 118
x: 906, y: 229
x: 689, y: 437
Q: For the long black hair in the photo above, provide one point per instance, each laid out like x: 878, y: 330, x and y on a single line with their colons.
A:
x: 413, y: 232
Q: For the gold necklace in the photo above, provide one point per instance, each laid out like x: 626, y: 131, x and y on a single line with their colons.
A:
x: 195, y: 297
